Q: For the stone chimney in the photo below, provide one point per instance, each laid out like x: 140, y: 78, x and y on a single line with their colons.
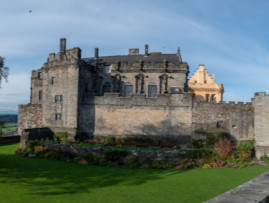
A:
x: 96, y: 52
x: 213, y: 76
x: 62, y: 45
x: 146, y: 49
x: 179, y: 54
x: 202, y: 66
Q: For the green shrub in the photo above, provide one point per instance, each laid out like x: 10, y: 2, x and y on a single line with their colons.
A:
x: 245, y: 148
x: 116, y: 155
x: 196, y: 143
x: 131, y: 161
x: 62, y: 136
x: 111, y: 138
x: 81, y: 137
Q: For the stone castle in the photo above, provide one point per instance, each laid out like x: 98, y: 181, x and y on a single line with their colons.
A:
x: 130, y: 95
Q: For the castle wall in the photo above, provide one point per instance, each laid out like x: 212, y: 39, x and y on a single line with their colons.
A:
x: 138, y: 115
x: 261, y: 121
x: 29, y: 116
x: 237, y: 119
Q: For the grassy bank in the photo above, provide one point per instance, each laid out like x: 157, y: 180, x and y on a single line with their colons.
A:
x: 40, y: 180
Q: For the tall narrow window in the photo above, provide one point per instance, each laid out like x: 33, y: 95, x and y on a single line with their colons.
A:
x: 58, y: 98
x: 128, y: 90
x: 107, y: 69
x: 58, y: 116
x: 106, y: 87
x: 139, y: 83
x: 152, y: 91
x: 39, y: 75
x: 163, y: 84
x: 53, y: 80
x: 207, y: 97
x: 213, y: 98
x: 40, y: 95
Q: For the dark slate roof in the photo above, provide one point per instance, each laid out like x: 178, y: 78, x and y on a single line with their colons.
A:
x: 130, y: 59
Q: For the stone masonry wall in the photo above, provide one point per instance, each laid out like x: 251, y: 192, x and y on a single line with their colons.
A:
x: 137, y: 115
x: 237, y: 119
x: 29, y: 116
x: 261, y: 121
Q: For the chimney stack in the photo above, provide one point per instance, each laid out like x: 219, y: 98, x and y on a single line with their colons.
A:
x: 179, y: 55
x: 96, y: 52
x: 146, y: 49
x: 213, y: 76
x: 62, y: 45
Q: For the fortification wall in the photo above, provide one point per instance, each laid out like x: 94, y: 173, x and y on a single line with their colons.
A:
x: 261, y: 122
x: 237, y: 119
x: 29, y: 116
x: 137, y: 115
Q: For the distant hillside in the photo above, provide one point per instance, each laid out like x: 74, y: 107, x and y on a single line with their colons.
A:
x: 9, y: 118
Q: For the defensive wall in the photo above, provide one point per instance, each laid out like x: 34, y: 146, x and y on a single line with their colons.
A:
x: 137, y: 115
x: 236, y: 118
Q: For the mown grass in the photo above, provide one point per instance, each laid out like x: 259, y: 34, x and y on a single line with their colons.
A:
x: 40, y: 180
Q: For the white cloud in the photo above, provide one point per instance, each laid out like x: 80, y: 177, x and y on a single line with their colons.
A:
x: 16, y: 91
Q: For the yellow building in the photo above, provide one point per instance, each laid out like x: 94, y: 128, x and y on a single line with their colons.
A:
x: 204, y: 87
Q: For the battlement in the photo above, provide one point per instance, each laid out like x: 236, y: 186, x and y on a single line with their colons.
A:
x: 163, y: 100
x: 225, y: 104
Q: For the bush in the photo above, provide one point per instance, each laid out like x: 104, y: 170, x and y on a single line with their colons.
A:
x: 39, y: 150
x: 81, y: 137
x: 196, y: 143
x: 224, y: 147
x: 218, y: 163
x: 116, y: 156
x: 245, y: 149
x: 131, y: 161
x: 62, y: 136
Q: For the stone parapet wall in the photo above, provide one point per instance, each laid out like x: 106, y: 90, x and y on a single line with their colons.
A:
x: 236, y: 118
x: 29, y: 116
x: 137, y: 115
x: 154, y: 155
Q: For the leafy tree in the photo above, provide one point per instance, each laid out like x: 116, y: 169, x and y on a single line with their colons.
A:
x: 4, y: 70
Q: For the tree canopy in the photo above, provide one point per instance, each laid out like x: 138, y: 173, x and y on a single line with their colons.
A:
x: 4, y: 70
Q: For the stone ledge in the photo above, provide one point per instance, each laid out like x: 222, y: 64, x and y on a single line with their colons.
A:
x: 255, y: 190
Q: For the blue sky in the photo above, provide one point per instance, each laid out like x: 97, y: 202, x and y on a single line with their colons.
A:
x: 229, y: 37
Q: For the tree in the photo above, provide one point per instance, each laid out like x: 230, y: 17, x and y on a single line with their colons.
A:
x: 4, y: 70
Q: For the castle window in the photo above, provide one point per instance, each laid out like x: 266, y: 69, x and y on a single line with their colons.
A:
x: 106, y: 87
x: 207, y: 97
x: 39, y: 75
x: 152, y: 91
x: 58, y: 116
x: 128, y: 90
x: 213, y: 98
x: 107, y: 69
x: 163, y: 84
x: 58, y: 98
x: 53, y: 80
x: 39, y: 95
x: 139, y: 83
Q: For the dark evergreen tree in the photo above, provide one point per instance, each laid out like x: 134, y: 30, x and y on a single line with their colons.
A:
x: 4, y: 70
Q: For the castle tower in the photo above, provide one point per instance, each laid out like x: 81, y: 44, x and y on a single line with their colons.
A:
x: 204, y: 87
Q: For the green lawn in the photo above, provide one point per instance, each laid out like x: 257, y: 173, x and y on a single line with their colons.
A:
x: 41, y: 180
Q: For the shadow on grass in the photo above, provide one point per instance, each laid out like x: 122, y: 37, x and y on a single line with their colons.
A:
x: 49, y: 177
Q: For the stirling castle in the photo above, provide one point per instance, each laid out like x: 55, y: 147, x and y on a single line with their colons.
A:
x: 145, y: 93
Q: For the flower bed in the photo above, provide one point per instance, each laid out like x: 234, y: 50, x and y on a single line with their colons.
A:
x: 135, y: 153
